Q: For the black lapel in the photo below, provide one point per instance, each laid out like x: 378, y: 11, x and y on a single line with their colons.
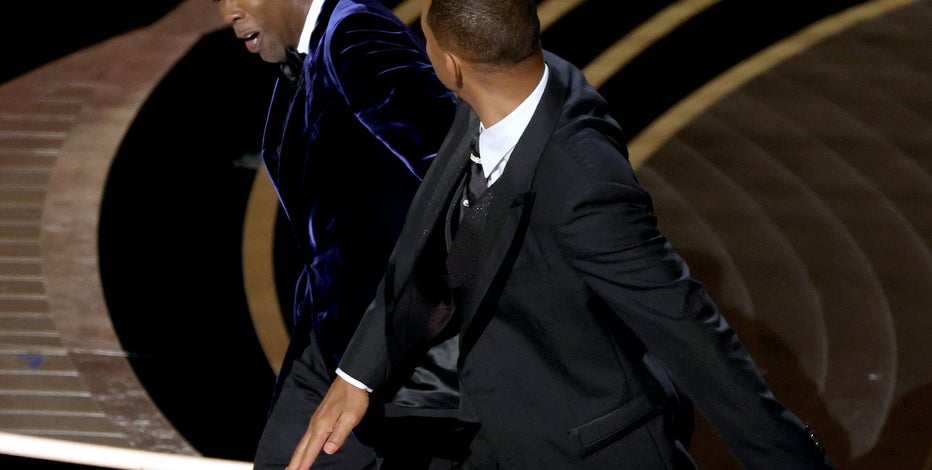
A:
x: 436, y: 189
x: 509, y: 214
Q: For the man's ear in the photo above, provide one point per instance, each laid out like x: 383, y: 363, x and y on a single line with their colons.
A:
x: 453, y: 68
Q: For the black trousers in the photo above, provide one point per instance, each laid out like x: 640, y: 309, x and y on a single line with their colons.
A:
x: 404, y: 447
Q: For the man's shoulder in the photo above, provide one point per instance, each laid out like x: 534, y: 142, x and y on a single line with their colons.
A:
x: 581, y: 106
x: 362, y: 25
x: 363, y: 10
x: 562, y: 68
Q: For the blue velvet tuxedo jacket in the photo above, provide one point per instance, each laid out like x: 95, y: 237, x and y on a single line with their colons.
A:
x: 579, y: 312
x: 346, y: 147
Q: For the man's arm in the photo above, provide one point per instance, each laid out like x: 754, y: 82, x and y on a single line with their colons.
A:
x: 340, y: 411
x: 387, y: 80
x: 615, y: 246
x: 347, y: 400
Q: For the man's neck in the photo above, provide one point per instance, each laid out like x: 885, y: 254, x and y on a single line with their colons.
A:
x: 494, y: 95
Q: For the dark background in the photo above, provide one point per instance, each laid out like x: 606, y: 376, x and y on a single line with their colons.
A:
x: 40, y: 32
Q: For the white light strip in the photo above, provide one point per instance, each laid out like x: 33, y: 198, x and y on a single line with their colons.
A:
x: 108, y: 457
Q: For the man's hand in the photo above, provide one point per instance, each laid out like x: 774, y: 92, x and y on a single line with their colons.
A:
x: 341, y: 410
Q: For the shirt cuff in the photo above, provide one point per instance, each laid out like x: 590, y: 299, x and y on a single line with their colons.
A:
x: 353, y: 381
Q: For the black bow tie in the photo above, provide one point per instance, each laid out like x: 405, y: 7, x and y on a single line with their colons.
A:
x: 293, y: 65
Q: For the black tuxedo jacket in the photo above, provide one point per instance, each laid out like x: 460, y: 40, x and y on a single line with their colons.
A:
x: 578, y: 313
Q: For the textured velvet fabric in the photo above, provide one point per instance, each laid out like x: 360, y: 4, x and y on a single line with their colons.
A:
x: 346, y: 146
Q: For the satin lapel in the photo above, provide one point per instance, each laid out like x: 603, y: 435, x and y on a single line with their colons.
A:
x: 509, y: 215
x: 437, y: 187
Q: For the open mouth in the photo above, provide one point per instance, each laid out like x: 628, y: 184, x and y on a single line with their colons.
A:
x: 252, y: 42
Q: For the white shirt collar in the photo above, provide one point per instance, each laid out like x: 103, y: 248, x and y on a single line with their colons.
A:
x: 497, y: 142
x: 304, y: 41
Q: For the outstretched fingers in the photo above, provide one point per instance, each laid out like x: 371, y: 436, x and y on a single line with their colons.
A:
x: 338, y: 414
x: 307, y: 451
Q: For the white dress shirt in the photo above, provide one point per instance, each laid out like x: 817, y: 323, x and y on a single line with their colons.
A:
x: 304, y: 41
x: 497, y: 142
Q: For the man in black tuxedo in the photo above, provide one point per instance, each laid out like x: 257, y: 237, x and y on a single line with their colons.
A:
x: 581, y: 332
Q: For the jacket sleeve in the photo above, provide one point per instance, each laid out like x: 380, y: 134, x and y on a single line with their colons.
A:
x: 366, y: 357
x: 610, y: 234
x: 383, y: 73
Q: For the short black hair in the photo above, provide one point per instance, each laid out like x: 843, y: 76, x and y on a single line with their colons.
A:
x: 493, y: 34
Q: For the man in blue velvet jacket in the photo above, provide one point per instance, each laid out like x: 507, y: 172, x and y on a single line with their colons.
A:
x: 352, y: 126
